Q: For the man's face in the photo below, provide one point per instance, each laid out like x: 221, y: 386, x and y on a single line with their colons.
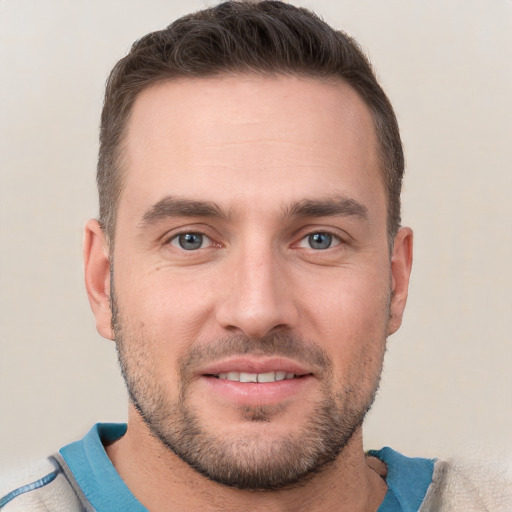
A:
x: 251, y: 245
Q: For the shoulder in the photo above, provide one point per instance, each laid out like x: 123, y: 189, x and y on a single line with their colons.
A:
x: 469, y: 486
x: 40, y: 486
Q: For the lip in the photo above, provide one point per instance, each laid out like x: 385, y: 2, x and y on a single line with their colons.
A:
x: 254, y: 365
x: 255, y: 394
x: 251, y: 394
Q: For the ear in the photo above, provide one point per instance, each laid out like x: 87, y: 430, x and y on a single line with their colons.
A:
x: 401, y: 264
x: 97, y: 277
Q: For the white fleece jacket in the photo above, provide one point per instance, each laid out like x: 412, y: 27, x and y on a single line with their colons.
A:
x: 456, y: 487
x: 467, y: 486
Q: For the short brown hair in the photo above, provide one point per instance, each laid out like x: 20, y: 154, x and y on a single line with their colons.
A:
x: 267, y: 37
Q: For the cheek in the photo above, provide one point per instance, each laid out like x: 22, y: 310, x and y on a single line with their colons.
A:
x: 160, y: 319
x: 350, y: 321
x: 349, y: 303
x: 166, y: 313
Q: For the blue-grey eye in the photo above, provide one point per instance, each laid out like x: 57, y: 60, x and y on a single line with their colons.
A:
x: 320, y: 241
x: 189, y: 241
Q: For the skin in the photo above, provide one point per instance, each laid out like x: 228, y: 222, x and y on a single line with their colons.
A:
x: 256, y: 147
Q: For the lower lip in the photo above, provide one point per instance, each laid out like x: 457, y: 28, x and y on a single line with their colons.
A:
x: 250, y: 393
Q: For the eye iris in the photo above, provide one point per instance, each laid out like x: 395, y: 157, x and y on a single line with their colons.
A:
x: 190, y: 241
x: 320, y: 240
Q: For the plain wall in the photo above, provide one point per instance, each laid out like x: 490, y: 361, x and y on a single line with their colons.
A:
x: 446, y: 65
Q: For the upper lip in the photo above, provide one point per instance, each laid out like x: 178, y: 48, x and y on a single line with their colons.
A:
x: 254, y: 365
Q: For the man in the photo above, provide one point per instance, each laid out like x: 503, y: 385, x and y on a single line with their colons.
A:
x: 249, y: 263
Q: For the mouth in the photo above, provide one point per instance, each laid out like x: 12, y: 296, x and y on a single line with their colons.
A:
x: 266, y: 377
x: 255, y: 370
x: 256, y: 381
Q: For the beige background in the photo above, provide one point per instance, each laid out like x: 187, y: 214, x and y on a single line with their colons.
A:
x: 447, y: 66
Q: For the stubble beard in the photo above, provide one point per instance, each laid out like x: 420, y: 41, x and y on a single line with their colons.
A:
x: 252, y: 461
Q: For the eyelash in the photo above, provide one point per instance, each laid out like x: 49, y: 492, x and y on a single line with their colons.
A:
x: 334, y: 241
x: 176, y: 238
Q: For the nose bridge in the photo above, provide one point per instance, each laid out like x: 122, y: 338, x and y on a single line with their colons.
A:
x: 256, y: 300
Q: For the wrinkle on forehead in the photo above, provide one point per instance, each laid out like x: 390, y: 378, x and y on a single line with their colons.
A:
x: 232, y: 110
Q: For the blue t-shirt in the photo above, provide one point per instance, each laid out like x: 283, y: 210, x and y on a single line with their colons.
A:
x: 407, y: 479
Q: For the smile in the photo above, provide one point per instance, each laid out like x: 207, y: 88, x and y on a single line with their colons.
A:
x: 251, y: 381
x: 255, y: 377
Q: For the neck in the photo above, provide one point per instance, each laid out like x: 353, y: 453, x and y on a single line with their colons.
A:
x: 162, y: 482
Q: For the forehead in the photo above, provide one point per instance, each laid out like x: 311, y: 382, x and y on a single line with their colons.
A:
x: 245, y: 135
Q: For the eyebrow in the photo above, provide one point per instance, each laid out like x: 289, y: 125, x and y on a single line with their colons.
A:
x: 171, y: 206
x: 330, y: 207
x: 180, y: 207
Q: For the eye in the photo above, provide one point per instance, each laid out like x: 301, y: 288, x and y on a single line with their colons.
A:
x: 319, y: 241
x: 190, y: 241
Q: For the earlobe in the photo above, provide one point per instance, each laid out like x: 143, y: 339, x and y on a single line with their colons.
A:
x: 401, y: 264
x: 97, y: 276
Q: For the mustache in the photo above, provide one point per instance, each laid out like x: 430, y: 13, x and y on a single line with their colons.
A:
x: 273, y: 344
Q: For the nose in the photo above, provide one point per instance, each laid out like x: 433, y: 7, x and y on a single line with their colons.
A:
x: 259, y: 297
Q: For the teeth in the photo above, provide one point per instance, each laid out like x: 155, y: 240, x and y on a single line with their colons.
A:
x: 256, y: 377
x: 267, y: 377
x: 248, y: 377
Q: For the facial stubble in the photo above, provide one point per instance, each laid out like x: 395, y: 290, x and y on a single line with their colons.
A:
x: 256, y: 460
